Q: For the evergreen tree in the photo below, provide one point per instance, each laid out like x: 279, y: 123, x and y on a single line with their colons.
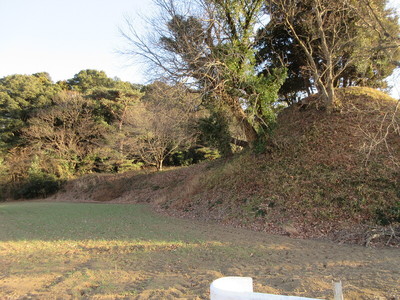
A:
x: 20, y: 95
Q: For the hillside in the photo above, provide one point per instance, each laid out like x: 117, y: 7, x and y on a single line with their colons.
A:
x: 323, y: 175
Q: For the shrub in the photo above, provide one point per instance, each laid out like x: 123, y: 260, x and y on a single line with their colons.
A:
x: 38, y: 186
x: 191, y: 156
x: 215, y: 132
x: 387, y: 216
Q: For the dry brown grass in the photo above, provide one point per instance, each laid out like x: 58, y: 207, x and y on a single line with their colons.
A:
x: 319, y: 179
x: 106, y: 251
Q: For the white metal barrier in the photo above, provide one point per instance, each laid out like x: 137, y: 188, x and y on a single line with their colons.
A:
x: 241, y: 288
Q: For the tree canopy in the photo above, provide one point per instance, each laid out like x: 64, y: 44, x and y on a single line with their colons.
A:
x: 327, y: 44
x: 20, y: 95
x: 211, y: 48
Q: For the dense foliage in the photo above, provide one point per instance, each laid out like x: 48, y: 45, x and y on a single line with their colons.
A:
x: 20, y: 95
x: 51, y: 132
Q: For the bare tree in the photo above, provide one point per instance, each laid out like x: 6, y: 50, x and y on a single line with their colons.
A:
x: 66, y: 131
x: 161, y: 124
x: 326, y: 29
x: 323, y: 21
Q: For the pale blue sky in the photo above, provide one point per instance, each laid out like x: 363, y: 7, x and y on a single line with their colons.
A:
x: 64, y: 37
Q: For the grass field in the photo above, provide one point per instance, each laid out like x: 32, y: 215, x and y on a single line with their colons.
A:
x: 122, y: 251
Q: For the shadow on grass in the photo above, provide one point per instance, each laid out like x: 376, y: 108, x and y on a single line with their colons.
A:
x: 85, y: 250
x: 87, y: 221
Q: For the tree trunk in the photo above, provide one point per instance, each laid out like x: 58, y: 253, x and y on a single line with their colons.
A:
x: 328, y: 85
x: 159, y: 165
x: 238, y: 112
x: 249, y: 131
x: 327, y: 92
x: 331, y: 97
x: 120, y: 125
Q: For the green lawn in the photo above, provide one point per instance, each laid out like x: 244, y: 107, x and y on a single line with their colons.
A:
x: 118, y: 251
x: 86, y: 221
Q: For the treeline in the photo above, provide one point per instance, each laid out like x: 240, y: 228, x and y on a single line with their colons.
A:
x: 52, y: 132
x: 225, y: 77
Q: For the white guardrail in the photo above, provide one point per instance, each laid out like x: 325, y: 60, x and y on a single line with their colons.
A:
x: 241, y: 288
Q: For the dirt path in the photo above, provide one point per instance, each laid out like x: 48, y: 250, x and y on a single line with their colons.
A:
x: 143, y: 255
